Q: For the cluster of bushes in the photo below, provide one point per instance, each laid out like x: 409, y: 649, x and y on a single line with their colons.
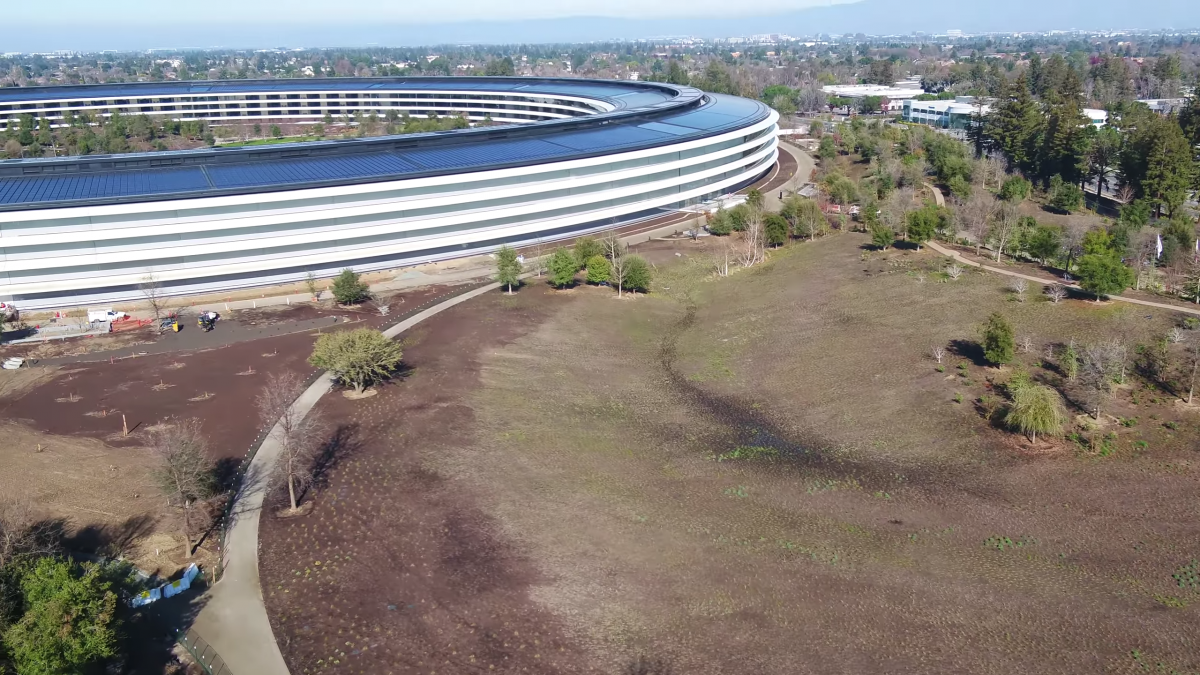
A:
x: 603, y: 262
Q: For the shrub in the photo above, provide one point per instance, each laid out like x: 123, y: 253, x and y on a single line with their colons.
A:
x: 599, y: 270
x: 348, y: 289
x: 637, y: 274
x: 1015, y: 190
x: 776, y: 229
x: 358, y: 357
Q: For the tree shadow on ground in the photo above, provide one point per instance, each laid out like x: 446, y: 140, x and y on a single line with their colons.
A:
x: 969, y: 349
x: 109, y: 540
x: 343, y: 442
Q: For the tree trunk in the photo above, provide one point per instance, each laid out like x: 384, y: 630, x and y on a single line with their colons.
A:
x: 1033, y: 438
x: 292, y: 490
x: 358, y: 387
x: 187, y: 534
x: 510, y: 289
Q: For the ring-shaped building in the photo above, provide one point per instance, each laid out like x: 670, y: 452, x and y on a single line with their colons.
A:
x: 567, y: 156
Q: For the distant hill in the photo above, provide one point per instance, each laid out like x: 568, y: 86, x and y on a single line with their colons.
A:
x: 876, y: 17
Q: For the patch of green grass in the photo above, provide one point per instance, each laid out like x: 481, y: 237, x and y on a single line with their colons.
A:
x: 748, y: 452
x: 739, y: 491
x: 1188, y: 576
x: 1003, y: 543
x: 272, y: 141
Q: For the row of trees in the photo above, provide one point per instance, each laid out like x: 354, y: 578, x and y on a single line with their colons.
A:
x: 1153, y: 156
x: 605, y: 261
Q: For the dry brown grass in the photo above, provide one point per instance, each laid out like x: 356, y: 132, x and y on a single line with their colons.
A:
x: 885, y: 528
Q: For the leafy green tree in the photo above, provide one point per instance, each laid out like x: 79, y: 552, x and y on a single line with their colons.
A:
x: 69, y: 624
x: 1098, y: 241
x: 1064, y: 196
x: 637, y: 274
x: 1037, y: 409
x: 882, y: 236
x: 924, y: 223
x: 1070, y: 361
x: 1015, y: 190
x: 776, y: 227
x: 999, y: 344
x: 1044, y: 243
x: 1015, y: 126
x: 959, y: 187
x: 754, y: 198
x: 1103, y: 156
x: 585, y: 249
x: 508, y: 268
x: 676, y: 74
x: 1103, y: 274
x: 562, y: 267
x: 828, y: 148
x: 349, y: 289
x: 357, y: 357
x: 599, y: 270
x: 276, y: 132
x: 721, y: 223
x: 501, y: 67
x: 1157, y: 160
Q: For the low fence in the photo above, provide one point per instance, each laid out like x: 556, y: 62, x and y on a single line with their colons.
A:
x: 203, y: 653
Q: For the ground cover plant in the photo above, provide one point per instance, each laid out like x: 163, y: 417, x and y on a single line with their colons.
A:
x: 757, y: 471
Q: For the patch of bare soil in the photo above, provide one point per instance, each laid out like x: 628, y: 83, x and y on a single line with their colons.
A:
x: 397, y: 569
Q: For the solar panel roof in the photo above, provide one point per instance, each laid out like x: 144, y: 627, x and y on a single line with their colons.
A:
x: 26, y: 184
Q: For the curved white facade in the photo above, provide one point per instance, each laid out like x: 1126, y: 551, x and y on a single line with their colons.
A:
x: 56, y: 253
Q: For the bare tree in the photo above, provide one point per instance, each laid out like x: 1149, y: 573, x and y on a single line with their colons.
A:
x: 1143, y: 247
x: 1026, y: 343
x: 1175, y: 335
x: 721, y: 260
x: 297, y: 434
x: 754, y: 239
x: 1101, y: 367
x: 954, y: 271
x: 614, y: 250
x: 1192, y: 364
x: 152, y: 290
x: 938, y: 353
x: 184, y: 471
x: 538, y: 251
x: 1004, y: 226
x: 1056, y: 292
x: 23, y: 532
x: 975, y: 214
x: 1019, y: 286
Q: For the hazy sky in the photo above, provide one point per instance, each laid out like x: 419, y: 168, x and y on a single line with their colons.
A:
x: 316, y: 12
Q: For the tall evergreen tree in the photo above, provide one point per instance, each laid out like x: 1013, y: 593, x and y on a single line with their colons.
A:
x: 1015, y: 126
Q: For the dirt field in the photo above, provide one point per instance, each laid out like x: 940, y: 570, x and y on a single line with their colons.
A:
x: 96, y: 481
x: 763, y: 474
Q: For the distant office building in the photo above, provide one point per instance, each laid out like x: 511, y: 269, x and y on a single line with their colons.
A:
x: 957, y: 114
x: 895, y: 95
x: 954, y: 114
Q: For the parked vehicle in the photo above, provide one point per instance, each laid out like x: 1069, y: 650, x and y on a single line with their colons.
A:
x: 109, y: 315
x: 13, y: 363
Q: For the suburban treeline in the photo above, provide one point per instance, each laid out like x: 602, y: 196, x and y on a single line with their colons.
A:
x: 990, y: 207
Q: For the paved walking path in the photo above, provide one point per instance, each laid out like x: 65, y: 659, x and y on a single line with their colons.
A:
x: 1043, y: 280
x: 234, y: 620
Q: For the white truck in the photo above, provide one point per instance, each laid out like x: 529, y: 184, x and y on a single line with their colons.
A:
x: 107, y: 315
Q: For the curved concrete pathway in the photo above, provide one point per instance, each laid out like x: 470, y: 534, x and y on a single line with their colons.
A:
x: 234, y: 619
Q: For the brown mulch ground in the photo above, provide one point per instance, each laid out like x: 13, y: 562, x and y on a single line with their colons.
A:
x: 397, y: 570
